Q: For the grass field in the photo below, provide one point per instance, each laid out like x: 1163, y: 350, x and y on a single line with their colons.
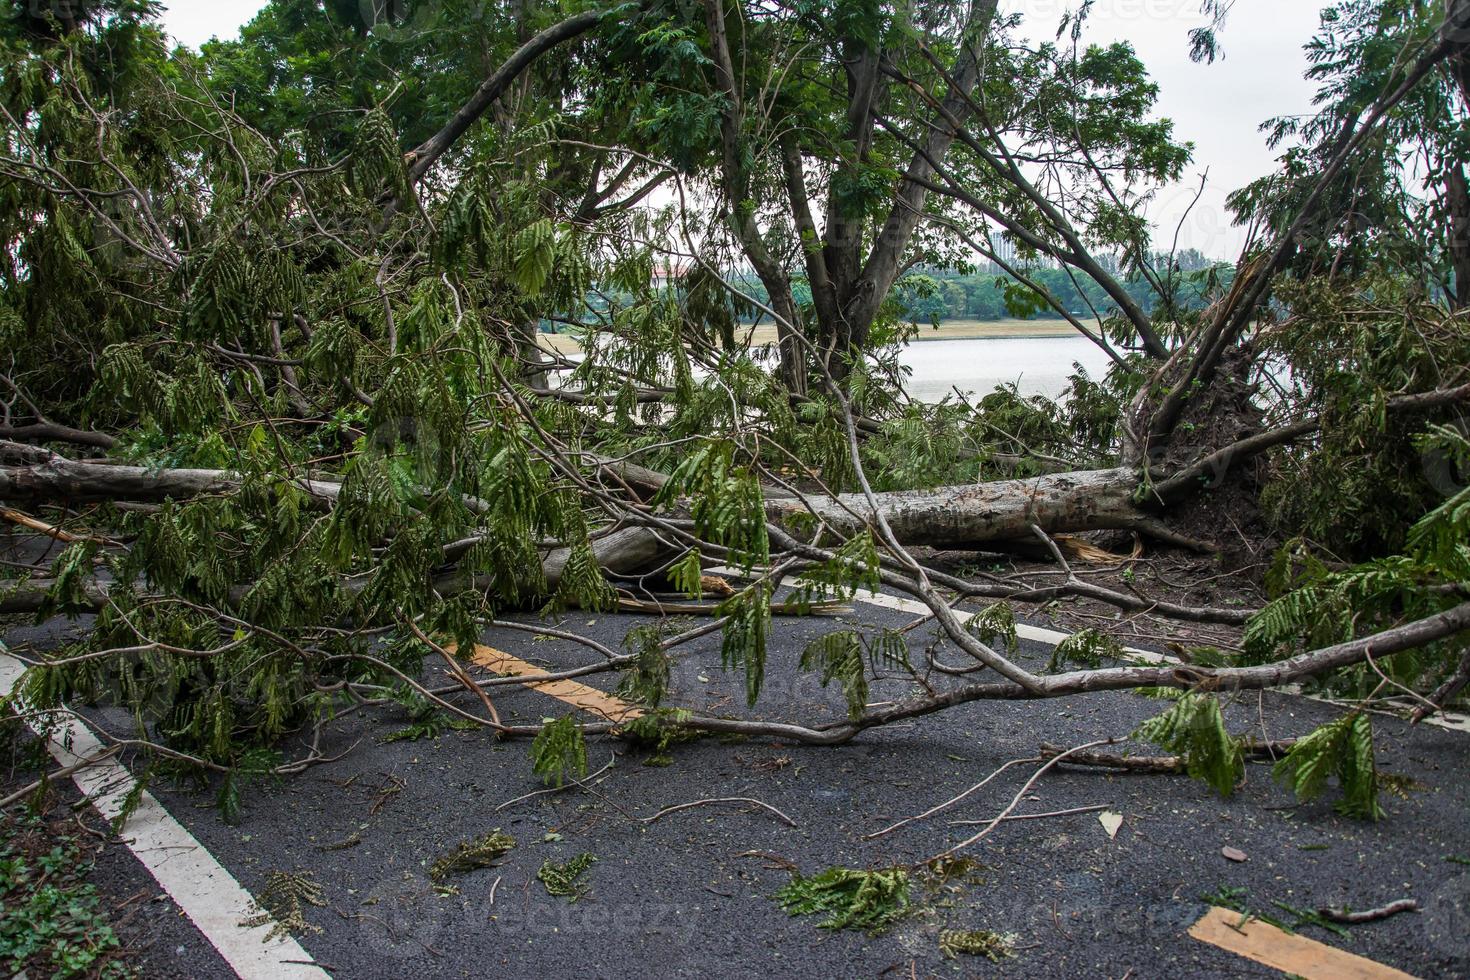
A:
x: 947, y: 330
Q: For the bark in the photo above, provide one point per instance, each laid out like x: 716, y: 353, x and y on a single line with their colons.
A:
x: 1458, y: 202
x: 959, y: 517
x: 58, y: 478
x: 51, y: 432
x: 493, y: 87
x: 623, y: 552
x: 28, y: 598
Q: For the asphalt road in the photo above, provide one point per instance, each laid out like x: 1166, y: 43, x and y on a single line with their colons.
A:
x: 686, y: 897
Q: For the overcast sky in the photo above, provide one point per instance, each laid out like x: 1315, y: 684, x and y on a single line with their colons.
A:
x: 1218, y: 107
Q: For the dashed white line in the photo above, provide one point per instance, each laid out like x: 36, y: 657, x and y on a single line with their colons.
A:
x: 208, y: 894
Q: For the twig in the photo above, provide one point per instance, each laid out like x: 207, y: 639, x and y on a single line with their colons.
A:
x: 61, y: 773
x: 1369, y: 915
x: 459, y: 673
x: 1271, y: 749
x: 724, y: 799
x: 947, y: 803
x: 824, y: 608
x: 1090, y: 808
x: 50, y: 530
x: 1016, y: 800
x: 1440, y: 697
x: 1109, y: 760
x: 556, y: 789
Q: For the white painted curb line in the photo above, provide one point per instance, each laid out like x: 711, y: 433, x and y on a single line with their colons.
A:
x: 208, y: 894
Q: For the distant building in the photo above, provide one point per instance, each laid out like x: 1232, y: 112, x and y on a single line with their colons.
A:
x: 667, y: 272
x: 1003, y: 248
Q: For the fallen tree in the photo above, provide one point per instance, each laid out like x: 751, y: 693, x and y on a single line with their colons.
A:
x: 326, y: 453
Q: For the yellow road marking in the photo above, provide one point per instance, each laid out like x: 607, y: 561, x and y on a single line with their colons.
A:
x: 1264, y: 943
x: 588, y: 699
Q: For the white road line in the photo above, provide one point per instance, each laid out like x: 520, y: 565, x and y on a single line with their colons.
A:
x: 208, y: 894
x: 1024, y: 631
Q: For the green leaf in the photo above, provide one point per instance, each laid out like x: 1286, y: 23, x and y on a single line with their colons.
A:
x: 559, y: 751
x: 1341, y: 748
x: 849, y: 898
x: 1195, y: 729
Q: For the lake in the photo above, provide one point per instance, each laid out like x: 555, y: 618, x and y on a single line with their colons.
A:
x: 1039, y: 365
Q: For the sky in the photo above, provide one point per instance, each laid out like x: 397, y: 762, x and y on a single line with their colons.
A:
x: 1217, y: 107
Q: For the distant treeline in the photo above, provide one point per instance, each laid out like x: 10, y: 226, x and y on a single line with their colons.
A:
x: 926, y: 295
x: 944, y: 295
x: 990, y: 294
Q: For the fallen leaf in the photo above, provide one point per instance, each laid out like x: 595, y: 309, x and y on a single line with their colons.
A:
x: 1110, y: 822
x: 1232, y: 853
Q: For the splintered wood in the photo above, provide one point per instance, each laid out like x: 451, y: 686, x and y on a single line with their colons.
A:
x: 581, y: 696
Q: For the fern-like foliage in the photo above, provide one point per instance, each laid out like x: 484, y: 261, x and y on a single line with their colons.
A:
x: 994, y: 946
x: 1194, y: 728
x: 480, y: 852
x: 839, y: 656
x: 687, y: 574
x: 1087, y: 647
x: 1341, y: 748
x: 849, y: 898
x: 725, y: 501
x: 283, y: 902
x: 853, y: 566
x: 1316, y: 605
x: 565, y: 880
x: 746, y: 633
x: 846, y: 656
x: 559, y: 751
x: 647, y: 681
x: 995, y: 622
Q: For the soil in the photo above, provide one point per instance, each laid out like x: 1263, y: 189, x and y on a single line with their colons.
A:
x: 1161, y: 573
x: 157, y: 940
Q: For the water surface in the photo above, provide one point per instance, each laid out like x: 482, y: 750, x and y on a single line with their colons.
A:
x: 1038, y: 365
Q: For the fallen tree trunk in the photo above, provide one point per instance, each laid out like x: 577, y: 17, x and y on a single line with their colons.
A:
x: 623, y: 552
x: 56, y: 478
x: 984, y: 513
x: 952, y: 517
x: 52, y: 432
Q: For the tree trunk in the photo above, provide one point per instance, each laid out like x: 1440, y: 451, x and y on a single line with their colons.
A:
x: 985, y: 513
x: 622, y: 552
x: 60, y: 479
